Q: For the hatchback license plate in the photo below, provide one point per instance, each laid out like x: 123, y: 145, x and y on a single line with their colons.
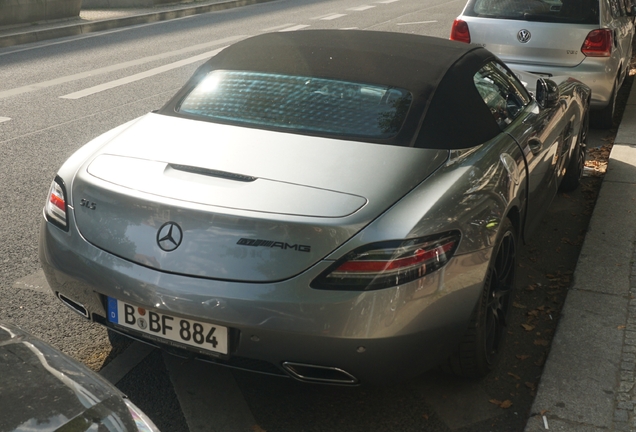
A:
x: 210, y: 337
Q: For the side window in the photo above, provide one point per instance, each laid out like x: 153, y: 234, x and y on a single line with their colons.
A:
x: 504, y: 95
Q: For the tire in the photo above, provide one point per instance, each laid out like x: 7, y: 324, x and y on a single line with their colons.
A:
x: 480, y: 349
x: 604, y: 118
x: 574, y: 171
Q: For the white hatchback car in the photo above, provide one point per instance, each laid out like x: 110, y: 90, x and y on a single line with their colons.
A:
x: 590, y: 40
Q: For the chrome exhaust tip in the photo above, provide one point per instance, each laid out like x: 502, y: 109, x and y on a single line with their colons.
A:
x: 319, y: 374
x: 75, y: 306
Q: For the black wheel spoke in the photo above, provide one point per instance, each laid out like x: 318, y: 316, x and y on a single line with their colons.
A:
x: 500, y: 284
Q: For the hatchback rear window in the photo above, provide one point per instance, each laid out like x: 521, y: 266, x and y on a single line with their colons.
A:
x: 561, y: 11
x: 296, y: 103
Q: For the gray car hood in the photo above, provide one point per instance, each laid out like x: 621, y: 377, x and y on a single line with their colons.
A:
x: 253, y: 205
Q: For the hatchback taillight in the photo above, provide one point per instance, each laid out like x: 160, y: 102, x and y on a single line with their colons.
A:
x: 598, y: 43
x: 56, y: 209
x: 460, y: 32
x: 388, y: 264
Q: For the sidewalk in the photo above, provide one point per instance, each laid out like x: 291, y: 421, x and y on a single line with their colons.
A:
x: 588, y: 381
x: 104, y: 19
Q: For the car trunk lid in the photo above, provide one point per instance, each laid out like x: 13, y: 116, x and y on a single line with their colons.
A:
x: 239, y: 203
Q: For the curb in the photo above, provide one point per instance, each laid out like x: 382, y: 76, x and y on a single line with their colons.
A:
x: 107, y: 24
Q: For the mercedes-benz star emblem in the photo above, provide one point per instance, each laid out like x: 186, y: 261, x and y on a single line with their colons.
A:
x: 169, y: 236
x: 523, y: 36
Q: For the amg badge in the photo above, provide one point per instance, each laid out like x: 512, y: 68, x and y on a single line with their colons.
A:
x: 273, y: 244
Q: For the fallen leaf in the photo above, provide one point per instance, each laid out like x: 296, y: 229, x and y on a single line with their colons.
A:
x: 495, y: 401
x: 534, y: 313
x: 518, y: 305
x: 505, y: 404
x: 620, y: 327
x: 542, y: 342
x: 257, y: 428
x: 514, y: 376
x: 522, y: 357
x: 425, y: 416
x: 531, y: 386
x: 527, y: 327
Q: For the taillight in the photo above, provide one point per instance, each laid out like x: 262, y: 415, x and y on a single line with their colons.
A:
x: 388, y: 264
x: 598, y: 43
x: 460, y: 32
x: 56, y: 209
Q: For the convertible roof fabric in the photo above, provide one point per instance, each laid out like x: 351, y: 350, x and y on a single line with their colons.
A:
x: 447, y: 111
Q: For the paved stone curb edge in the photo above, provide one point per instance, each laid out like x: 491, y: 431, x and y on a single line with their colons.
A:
x: 90, y: 27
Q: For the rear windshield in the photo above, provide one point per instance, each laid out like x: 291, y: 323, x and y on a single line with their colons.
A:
x: 561, y: 11
x: 304, y: 104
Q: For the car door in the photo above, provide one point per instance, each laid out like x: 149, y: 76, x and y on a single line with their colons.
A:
x: 538, y: 131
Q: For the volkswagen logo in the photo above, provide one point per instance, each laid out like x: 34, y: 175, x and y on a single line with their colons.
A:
x: 523, y: 36
x: 169, y: 236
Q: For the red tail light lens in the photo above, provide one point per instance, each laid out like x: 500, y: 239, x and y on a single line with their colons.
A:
x: 598, y: 43
x: 383, y: 265
x: 56, y: 208
x: 460, y: 32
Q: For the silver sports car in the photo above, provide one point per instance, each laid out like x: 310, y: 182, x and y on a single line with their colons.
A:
x: 336, y: 206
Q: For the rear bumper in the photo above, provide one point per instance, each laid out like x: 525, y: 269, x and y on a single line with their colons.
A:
x: 379, y: 336
x: 597, y: 73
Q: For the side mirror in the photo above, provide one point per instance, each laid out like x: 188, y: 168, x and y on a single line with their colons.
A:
x: 547, y: 93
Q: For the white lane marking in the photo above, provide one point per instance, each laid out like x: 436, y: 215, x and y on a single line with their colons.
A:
x: 319, y: 17
x: 4, y: 119
x: 361, y: 8
x: 294, y: 28
x: 112, y: 68
x: 387, y: 1
x: 278, y: 27
x: 333, y: 17
x: 349, y: 28
x: 210, y: 399
x: 419, y: 22
x: 126, y: 361
x: 136, y: 77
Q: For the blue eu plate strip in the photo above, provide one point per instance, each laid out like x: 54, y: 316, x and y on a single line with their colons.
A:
x: 112, y: 310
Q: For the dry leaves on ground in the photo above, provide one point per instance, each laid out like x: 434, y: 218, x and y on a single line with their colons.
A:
x: 505, y: 404
x: 597, y: 158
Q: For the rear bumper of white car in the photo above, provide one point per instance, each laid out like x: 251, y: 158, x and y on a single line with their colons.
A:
x: 597, y: 73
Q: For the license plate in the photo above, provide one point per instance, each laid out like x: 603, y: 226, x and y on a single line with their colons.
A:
x: 205, y: 336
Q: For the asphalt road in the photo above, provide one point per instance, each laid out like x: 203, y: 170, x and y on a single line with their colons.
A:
x: 57, y: 95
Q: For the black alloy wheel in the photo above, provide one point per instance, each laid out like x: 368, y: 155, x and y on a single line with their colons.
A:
x: 499, y: 284
x: 482, y: 344
x: 573, y: 173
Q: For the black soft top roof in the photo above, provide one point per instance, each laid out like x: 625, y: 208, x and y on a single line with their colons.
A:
x: 447, y: 111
